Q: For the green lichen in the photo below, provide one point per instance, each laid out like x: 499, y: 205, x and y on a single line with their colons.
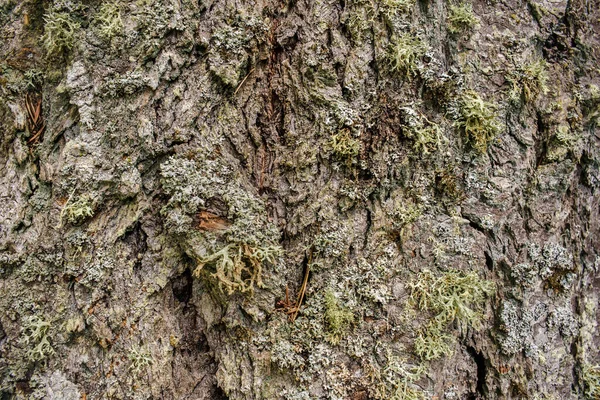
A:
x: 590, y: 377
x: 60, y: 33
x: 397, y: 6
x: 563, y: 141
x: 426, y: 135
x: 338, y: 318
x: 433, y: 343
x: 477, y: 121
x: 140, y: 359
x: 344, y: 145
x: 238, y: 266
x: 453, y: 297
x: 76, y: 211
x: 461, y: 18
x: 395, y: 381
x: 404, y: 53
x: 109, y: 21
x: 528, y: 82
x: 34, y: 335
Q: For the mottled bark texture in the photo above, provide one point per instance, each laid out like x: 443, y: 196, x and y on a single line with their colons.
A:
x: 169, y: 169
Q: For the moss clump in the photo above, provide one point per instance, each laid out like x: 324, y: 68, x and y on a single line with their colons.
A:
x: 590, y: 377
x: 339, y: 318
x: 109, y: 21
x: 528, y: 82
x: 344, y: 145
x: 461, y: 18
x: 403, y: 54
x: 60, y: 32
x: 75, y: 212
x: 477, y: 120
x: 453, y: 297
x: 238, y: 266
x: 34, y: 334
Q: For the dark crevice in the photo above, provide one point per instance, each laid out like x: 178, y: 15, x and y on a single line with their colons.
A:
x: 218, y: 394
x: 481, y: 371
x: 182, y: 286
x: 489, y: 262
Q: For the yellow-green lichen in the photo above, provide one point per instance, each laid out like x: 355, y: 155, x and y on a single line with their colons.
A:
x: 109, y: 21
x: 238, y: 266
x: 60, y: 33
x: 339, y: 318
x: 461, y: 18
x: 344, y: 145
x: 404, y: 53
x: 477, y: 120
x: 76, y: 211
x: 590, y: 377
x: 528, y: 82
x: 452, y: 297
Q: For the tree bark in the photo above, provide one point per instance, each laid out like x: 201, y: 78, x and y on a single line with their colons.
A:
x: 308, y: 200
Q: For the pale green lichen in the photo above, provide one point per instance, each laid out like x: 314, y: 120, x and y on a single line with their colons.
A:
x: 528, y: 82
x: 60, y: 33
x: 140, y: 359
x: 338, y: 318
x: 396, y: 380
x: 76, y: 211
x: 109, y: 20
x: 477, y: 120
x: 452, y: 297
x: 404, y: 53
x: 35, y: 337
x: 238, y: 266
x: 590, y: 377
x: 461, y: 18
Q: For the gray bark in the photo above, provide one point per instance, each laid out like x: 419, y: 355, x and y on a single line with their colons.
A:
x: 429, y: 170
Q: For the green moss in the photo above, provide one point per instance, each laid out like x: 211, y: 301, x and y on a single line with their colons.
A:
x: 461, y: 18
x: 477, y: 120
x: 34, y: 334
x: 109, y: 21
x: 339, y: 318
x: 238, y: 267
x: 60, y: 33
x: 528, y: 82
x: 404, y: 52
x: 453, y: 297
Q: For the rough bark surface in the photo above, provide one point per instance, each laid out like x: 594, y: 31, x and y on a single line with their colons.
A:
x: 423, y: 174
